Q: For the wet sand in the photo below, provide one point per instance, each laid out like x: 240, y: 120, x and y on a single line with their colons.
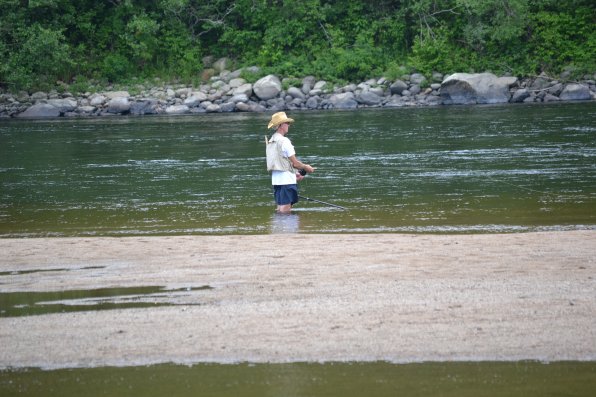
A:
x: 294, y: 298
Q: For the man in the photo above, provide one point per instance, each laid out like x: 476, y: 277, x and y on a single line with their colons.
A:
x: 286, y: 169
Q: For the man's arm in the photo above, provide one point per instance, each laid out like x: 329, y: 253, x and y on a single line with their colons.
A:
x: 300, y: 165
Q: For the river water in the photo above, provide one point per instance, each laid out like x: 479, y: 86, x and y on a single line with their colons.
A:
x: 442, y: 169
x: 480, y: 169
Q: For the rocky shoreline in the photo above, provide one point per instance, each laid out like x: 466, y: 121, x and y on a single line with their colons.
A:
x: 229, y: 92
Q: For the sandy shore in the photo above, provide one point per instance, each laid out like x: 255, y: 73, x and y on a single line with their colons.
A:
x: 283, y: 298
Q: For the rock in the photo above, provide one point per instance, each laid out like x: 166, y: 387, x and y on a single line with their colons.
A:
x: 244, y: 89
x: 343, y: 101
x: 417, y: 78
x: 213, y: 108
x: 465, y: 88
x: 268, y: 87
x: 307, y: 84
x: 227, y: 107
x: 222, y: 64
x: 369, y: 98
x: 377, y: 90
x: 520, y: 95
x: 296, y: 93
x: 182, y: 92
x: 555, y: 89
x: 235, y: 83
x: 144, y: 106
x: 320, y: 85
x: 40, y: 110
x: 239, y: 98
x: 541, y: 82
x: 118, y: 105
x: 433, y: 100
x: 415, y: 89
x: 86, y: 109
x: 575, y: 92
x: 116, y: 94
x: 550, y: 98
x: 97, y: 100
x: 195, y: 99
x: 177, y: 109
x: 312, y: 102
x: 398, y: 87
x: 63, y: 105
x: 38, y: 96
x: 437, y: 77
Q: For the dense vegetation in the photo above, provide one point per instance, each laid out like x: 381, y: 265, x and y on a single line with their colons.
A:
x: 42, y: 41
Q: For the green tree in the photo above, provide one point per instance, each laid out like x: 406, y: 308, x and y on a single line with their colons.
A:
x: 41, y: 57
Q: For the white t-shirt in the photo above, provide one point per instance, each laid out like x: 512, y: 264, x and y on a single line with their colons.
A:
x: 284, y: 177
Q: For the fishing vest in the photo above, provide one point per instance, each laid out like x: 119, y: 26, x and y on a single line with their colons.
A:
x: 275, y: 158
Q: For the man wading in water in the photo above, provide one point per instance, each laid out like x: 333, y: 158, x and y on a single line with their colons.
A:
x: 286, y: 169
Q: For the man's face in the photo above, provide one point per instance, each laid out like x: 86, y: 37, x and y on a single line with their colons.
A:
x: 284, y: 127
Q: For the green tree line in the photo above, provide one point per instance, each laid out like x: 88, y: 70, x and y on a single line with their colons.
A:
x: 112, y: 41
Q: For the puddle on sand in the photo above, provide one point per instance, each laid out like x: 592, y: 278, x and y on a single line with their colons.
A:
x: 461, y: 379
x: 20, y: 272
x: 15, y: 304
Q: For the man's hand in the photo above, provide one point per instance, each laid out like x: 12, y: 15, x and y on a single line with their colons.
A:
x: 308, y: 168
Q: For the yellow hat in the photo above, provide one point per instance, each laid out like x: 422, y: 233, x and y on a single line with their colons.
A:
x: 279, y: 118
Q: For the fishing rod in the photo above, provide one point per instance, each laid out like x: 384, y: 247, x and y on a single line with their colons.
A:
x: 322, y: 202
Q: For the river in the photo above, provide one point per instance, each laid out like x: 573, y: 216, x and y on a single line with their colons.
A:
x: 456, y: 169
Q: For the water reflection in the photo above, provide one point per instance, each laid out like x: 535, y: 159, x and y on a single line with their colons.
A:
x: 285, y: 223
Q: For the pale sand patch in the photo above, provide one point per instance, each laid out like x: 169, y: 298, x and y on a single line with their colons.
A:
x: 287, y: 298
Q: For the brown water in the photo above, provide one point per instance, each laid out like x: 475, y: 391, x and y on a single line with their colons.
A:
x: 377, y: 379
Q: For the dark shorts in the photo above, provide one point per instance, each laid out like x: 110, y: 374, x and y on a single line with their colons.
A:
x: 285, y: 194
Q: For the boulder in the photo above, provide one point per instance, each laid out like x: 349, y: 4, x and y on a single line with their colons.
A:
x: 520, y: 95
x: 239, y: 98
x: 97, y: 100
x: 417, y: 78
x: 398, y: 87
x: 296, y: 93
x: 227, y: 107
x: 213, y: 108
x: 118, y: 105
x: 343, y: 101
x: 222, y: 64
x: 63, y: 105
x: 195, y: 99
x: 369, y: 98
x: 268, y: 87
x: 183, y: 92
x: 312, y: 102
x: 575, y: 92
x: 39, y: 95
x: 550, y: 98
x: 86, y: 109
x: 144, y: 106
x: 307, y: 83
x: 555, y: 89
x: 40, y: 110
x: 237, y: 82
x: 177, y: 109
x: 244, y: 89
x: 116, y: 94
x: 465, y: 88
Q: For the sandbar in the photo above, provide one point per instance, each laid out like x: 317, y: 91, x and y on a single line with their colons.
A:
x: 307, y: 298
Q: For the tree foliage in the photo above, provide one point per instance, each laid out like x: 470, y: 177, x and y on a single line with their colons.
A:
x: 42, y: 41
